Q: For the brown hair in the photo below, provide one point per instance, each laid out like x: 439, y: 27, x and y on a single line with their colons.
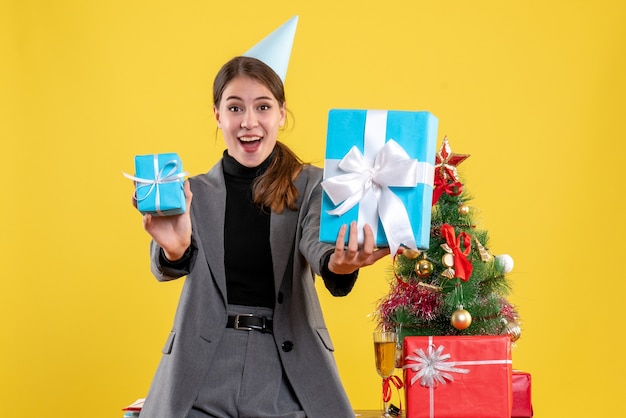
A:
x: 274, y: 189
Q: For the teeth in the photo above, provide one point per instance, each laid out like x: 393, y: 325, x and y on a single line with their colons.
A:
x: 249, y: 138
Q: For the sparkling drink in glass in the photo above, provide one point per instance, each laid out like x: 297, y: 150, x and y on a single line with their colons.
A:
x: 385, y: 358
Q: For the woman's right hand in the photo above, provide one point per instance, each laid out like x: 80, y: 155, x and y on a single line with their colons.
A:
x: 172, y: 233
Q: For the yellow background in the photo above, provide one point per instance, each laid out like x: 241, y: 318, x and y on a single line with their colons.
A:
x: 533, y: 90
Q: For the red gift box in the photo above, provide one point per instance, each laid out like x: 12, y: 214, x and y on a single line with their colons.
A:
x: 458, y: 377
x: 522, y: 404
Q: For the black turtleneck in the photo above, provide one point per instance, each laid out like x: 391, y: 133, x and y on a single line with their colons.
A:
x: 247, y: 253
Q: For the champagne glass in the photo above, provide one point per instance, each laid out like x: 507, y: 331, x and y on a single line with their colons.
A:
x: 385, y: 357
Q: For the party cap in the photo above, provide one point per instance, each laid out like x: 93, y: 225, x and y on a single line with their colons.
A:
x: 275, y: 49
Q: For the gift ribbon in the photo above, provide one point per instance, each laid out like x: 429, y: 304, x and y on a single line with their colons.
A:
x: 387, y: 383
x: 433, y: 368
x: 462, y: 266
x: 160, y: 177
x: 368, y: 178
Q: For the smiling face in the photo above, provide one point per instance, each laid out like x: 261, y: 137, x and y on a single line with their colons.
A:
x: 249, y: 116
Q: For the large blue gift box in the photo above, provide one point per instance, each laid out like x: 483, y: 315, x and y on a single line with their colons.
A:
x: 159, y: 182
x: 379, y: 170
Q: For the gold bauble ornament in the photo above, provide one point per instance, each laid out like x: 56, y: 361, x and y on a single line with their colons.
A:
x: 514, y: 331
x: 411, y: 253
x: 464, y: 209
x: 461, y: 319
x: 424, y: 268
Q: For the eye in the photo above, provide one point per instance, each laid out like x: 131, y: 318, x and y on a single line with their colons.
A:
x: 234, y: 108
x: 264, y: 107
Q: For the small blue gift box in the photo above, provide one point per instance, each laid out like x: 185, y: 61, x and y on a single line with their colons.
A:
x: 379, y: 170
x: 159, y: 183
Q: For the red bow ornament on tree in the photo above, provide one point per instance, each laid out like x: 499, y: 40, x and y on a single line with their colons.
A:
x: 462, y: 266
x: 446, y: 177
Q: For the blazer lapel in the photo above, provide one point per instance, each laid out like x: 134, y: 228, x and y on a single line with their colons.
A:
x: 210, y: 195
x: 282, y: 237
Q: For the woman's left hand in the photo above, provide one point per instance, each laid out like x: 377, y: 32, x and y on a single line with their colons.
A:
x: 346, y: 260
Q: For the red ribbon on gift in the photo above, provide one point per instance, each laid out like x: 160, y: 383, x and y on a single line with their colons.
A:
x: 387, y: 382
x: 462, y: 266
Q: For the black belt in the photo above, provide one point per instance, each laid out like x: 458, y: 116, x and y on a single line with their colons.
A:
x: 249, y: 322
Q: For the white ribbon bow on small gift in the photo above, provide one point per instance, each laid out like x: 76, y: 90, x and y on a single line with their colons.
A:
x: 432, y: 367
x: 392, y: 167
x: 160, y: 177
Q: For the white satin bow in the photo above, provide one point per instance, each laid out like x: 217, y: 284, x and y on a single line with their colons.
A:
x: 392, y: 167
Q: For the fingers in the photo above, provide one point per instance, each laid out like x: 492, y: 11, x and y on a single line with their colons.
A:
x: 147, y: 218
x: 353, y: 248
x: 340, y: 243
x: 188, y: 194
x: 354, y: 252
x: 368, y: 240
x: 353, y: 240
x: 347, y: 259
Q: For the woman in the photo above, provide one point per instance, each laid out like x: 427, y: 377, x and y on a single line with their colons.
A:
x: 249, y: 339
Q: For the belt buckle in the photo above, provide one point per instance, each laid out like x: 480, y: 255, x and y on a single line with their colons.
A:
x: 236, y: 324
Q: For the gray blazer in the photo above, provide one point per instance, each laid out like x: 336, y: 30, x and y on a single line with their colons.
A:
x: 300, y: 333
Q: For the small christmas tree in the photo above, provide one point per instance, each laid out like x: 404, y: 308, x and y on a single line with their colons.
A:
x: 456, y: 287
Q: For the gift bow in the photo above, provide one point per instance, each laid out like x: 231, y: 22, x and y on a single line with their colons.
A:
x: 387, y: 382
x: 392, y: 167
x: 462, y: 266
x: 160, y: 177
x: 452, y: 188
x: 432, y: 366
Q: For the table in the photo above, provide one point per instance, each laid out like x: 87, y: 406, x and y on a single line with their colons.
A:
x: 359, y: 414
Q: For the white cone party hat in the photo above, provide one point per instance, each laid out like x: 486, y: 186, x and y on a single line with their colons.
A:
x: 275, y: 48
